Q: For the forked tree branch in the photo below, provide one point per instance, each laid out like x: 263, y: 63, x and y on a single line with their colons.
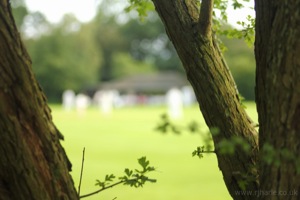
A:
x: 214, y: 87
x: 205, y: 18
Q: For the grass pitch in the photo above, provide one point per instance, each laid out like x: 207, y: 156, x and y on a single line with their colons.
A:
x: 115, y: 142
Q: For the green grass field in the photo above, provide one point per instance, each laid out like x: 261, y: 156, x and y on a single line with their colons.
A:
x: 115, y: 142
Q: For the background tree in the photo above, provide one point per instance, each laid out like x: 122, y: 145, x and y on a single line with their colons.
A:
x: 65, y: 58
x: 147, y: 41
x: 241, y: 62
x: 109, y: 41
x: 130, y: 46
x: 20, y: 12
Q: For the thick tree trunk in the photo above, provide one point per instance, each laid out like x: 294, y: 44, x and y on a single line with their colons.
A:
x: 190, y: 31
x: 277, y: 51
x: 33, y: 164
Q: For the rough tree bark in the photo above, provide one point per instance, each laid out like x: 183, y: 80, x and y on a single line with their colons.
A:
x: 33, y: 164
x: 277, y: 51
x: 190, y: 31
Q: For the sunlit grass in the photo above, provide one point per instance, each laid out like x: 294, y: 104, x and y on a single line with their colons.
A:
x: 115, y: 142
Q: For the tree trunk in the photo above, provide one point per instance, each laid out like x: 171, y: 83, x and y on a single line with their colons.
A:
x: 277, y: 50
x: 190, y: 31
x: 33, y: 164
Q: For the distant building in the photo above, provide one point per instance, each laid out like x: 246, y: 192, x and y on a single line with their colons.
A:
x: 157, y: 83
x: 148, y: 89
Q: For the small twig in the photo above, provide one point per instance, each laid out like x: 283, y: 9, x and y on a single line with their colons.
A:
x: 81, y: 172
x: 208, y: 151
x: 200, y: 151
x: 110, y: 186
x: 100, y: 190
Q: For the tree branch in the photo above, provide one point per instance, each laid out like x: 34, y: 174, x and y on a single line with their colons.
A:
x: 81, y: 172
x: 115, y: 184
x: 102, y: 189
x: 205, y: 18
x: 214, y: 87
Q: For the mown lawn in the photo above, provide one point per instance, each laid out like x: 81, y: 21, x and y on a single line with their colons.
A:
x: 115, y: 142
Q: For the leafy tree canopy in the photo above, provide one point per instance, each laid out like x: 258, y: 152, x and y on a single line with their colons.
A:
x: 73, y: 55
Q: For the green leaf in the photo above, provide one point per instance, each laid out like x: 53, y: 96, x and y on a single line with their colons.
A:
x: 109, y: 177
x: 198, y: 152
x: 243, y: 184
x: 99, y: 183
x: 193, y: 127
x: 237, y: 5
x: 141, y: 6
x: 226, y: 147
x: 152, y: 180
x: 287, y: 155
x: 269, y: 154
x: 143, y: 162
x: 214, y: 130
x: 175, y: 129
x: 128, y: 172
x: 149, y: 169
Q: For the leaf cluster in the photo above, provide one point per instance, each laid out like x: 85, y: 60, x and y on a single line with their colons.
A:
x: 247, y: 32
x: 200, y: 151
x: 134, y: 178
x: 220, y: 17
x: 107, y: 180
x: 220, y: 21
x: 137, y: 178
x: 273, y: 156
x: 165, y: 125
x: 141, y: 6
x: 244, y: 179
x: 229, y: 146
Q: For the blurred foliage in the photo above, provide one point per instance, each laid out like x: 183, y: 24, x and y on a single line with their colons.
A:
x: 65, y: 58
x: 276, y: 157
x: 20, y: 12
x: 147, y: 41
x: 141, y: 6
x: 132, y: 177
x: 109, y: 40
x: 238, y: 45
x: 241, y: 61
x: 74, y: 55
x: 166, y: 125
x: 126, y: 65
